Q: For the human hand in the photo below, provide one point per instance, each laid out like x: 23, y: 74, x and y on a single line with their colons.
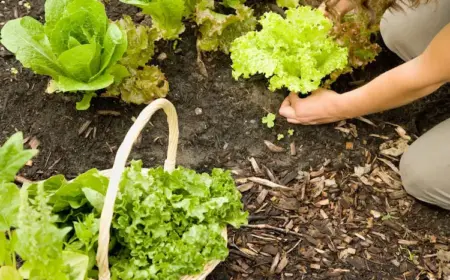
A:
x: 321, y: 107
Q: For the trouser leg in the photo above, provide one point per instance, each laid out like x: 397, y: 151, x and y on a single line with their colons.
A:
x: 425, y: 167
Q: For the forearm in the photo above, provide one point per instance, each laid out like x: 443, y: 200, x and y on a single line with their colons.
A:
x: 398, y: 87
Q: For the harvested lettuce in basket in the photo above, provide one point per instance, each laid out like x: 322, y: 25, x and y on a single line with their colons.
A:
x: 165, y: 225
x: 170, y: 225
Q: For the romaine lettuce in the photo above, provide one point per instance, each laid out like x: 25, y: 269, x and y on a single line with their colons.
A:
x: 77, y: 46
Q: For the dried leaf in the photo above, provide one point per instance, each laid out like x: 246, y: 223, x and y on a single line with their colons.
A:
x: 394, y: 149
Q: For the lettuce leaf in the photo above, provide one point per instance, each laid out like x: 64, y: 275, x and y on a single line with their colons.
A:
x: 355, y: 34
x: 218, y: 30
x: 76, y: 47
x: 142, y: 87
x: 13, y: 157
x: 170, y: 224
x: 288, y: 3
x: 39, y: 240
x: 141, y: 43
x: 167, y: 15
x: 295, y: 52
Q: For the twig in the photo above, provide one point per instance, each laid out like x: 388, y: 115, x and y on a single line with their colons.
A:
x: 295, y: 246
x: 239, y: 253
x: 269, y: 227
x: 268, y: 183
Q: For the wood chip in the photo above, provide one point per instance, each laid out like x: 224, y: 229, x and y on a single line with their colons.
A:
x: 84, y: 127
x: 375, y: 214
x: 394, y: 149
x: 317, y: 173
x: 398, y: 194
x: 322, y: 203
x: 293, y: 149
x: 245, y: 187
x: 379, y: 136
x: 273, y: 148
x: 323, y: 214
x: 282, y: 264
x: 262, y: 196
x: 390, y: 165
x: 267, y: 183
x: 34, y: 143
x: 108, y: 113
x: 349, y: 145
x: 255, y: 166
x: 366, y: 121
x: 360, y: 236
x: 275, y: 262
x: 248, y: 252
x: 22, y: 180
x: 407, y: 242
x: 315, y: 266
x: 402, y: 133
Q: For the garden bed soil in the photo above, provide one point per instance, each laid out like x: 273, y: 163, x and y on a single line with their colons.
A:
x: 301, y: 235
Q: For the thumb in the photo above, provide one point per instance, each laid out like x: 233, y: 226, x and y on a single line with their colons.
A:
x: 287, y: 112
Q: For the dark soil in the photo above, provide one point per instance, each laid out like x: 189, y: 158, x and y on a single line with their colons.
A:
x: 226, y: 134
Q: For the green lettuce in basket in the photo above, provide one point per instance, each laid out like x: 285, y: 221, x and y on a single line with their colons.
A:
x: 165, y: 225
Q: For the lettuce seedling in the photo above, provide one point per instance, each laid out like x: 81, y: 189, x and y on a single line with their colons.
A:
x: 295, y: 52
x: 77, y: 46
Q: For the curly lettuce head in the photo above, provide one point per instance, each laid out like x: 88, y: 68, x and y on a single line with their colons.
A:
x: 295, y: 52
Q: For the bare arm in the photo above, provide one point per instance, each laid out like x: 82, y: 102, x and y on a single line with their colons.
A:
x: 397, y: 87
x: 404, y: 84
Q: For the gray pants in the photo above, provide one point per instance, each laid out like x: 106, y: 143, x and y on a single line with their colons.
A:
x: 425, y: 167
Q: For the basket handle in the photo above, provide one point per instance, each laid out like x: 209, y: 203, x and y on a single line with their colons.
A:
x: 119, y: 166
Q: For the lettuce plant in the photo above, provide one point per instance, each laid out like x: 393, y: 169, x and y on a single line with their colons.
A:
x: 165, y: 225
x: 167, y: 15
x: 295, y: 52
x: 77, y: 46
x: 218, y: 30
x: 144, y: 83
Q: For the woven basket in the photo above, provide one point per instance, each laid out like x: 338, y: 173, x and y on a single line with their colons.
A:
x: 115, y: 175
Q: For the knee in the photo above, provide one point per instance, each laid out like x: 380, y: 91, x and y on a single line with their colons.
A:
x: 412, y: 175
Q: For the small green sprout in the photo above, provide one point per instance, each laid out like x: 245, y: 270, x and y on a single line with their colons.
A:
x: 269, y: 120
x: 290, y: 132
x: 280, y: 137
x: 388, y: 217
x: 14, y: 71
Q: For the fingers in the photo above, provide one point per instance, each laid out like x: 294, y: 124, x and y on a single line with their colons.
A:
x: 287, y: 112
x: 294, y: 121
x: 293, y: 98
